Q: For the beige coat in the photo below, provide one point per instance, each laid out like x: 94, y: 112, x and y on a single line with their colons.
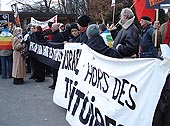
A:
x: 18, y: 70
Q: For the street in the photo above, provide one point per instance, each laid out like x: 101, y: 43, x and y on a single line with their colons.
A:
x: 30, y: 104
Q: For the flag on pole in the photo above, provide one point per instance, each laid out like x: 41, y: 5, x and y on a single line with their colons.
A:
x: 141, y: 10
x: 16, y: 14
x: 158, y: 4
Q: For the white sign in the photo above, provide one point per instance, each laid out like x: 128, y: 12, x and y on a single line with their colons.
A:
x: 43, y: 24
x: 108, y: 91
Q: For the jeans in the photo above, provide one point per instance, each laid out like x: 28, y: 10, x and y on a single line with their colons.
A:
x: 6, y: 62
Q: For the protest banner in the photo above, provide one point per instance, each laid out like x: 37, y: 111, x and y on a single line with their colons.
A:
x: 48, y: 53
x: 5, y: 35
x: 71, y: 55
x: 43, y: 24
x: 99, y: 90
x: 156, y: 4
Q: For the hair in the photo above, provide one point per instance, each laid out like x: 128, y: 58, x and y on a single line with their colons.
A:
x: 102, y: 27
x: 39, y: 28
x: 17, y: 31
x: 128, y: 12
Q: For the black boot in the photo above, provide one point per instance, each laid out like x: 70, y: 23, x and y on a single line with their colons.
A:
x: 18, y: 81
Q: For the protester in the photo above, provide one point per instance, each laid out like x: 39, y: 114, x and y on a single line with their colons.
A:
x: 83, y: 22
x: 18, y: 71
x: 165, y: 30
x: 6, y: 63
x: 96, y: 42
x: 57, y: 37
x: 66, y: 32
x: 147, y: 47
x: 32, y: 59
x: 27, y: 43
x: 106, y: 35
x: 61, y: 27
x: 162, y: 112
x: 39, y: 68
x: 127, y: 39
x: 74, y: 31
x: 48, y: 32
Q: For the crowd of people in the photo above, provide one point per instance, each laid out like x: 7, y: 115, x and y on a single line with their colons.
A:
x: 123, y: 42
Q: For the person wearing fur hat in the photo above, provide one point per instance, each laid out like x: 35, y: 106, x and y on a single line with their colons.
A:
x: 127, y: 39
x: 96, y: 42
x: 83, y: 22
x: 147, y: 47
x: 74, y: 32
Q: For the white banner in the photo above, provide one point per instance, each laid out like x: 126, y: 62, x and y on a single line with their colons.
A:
x: 108, y: 91
x: 43, y: 24
x: 68, y: 65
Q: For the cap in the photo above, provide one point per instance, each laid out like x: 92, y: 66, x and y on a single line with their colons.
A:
x: 146, y: 18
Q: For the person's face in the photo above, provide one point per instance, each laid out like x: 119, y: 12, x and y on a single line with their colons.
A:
x: 62, y: 28
x: 32, y: 29
x: 74, y: 32
x: 123, y: 18
x: 143, y: 23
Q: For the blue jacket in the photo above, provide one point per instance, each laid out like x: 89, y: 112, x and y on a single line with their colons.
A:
x: 146, y: 44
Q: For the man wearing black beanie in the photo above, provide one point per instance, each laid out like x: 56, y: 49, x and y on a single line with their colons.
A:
x: 83, y: 22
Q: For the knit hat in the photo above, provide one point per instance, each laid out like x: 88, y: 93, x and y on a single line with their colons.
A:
x: 92, y: 31
x: 146, y: 18
x: 55, y: 27
x: 73, y: 26
x: 83, y: 20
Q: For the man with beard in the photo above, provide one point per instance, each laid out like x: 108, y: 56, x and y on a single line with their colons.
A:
x: 127, y: 39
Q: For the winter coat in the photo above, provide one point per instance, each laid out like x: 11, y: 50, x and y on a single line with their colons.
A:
x: 57, y: 37
x: 163, y: 30
x: 18, y: 70
x: 82, y: 38
x: 97, y: 44
x: 127, y: 39
x: 73, y: 39
x: 38, y: 37
x: 147, y: 44
x: 7, y: 52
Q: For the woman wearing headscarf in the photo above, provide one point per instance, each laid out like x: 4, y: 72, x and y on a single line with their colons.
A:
x: 18, y: 71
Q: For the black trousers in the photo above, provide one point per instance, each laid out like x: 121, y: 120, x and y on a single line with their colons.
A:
x: 55, y: 75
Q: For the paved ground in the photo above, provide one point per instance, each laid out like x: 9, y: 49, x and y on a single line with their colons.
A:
x: 30, y: 104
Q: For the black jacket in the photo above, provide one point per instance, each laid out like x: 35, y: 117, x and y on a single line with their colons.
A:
x: 129, y: 40
x: 57, y: 37
x: 82, y: 38
x: 97, y: 44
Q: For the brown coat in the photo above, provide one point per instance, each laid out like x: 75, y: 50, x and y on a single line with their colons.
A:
x: 18, y: 70
x: 163, y: 30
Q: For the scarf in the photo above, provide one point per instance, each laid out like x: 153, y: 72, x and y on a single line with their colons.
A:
x: 83, y: 29
x: 167, y: 36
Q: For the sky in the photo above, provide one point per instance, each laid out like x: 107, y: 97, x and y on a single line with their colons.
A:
x: 6, y: 4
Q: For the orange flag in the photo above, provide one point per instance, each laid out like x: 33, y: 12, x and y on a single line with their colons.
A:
x: 141, y: 10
